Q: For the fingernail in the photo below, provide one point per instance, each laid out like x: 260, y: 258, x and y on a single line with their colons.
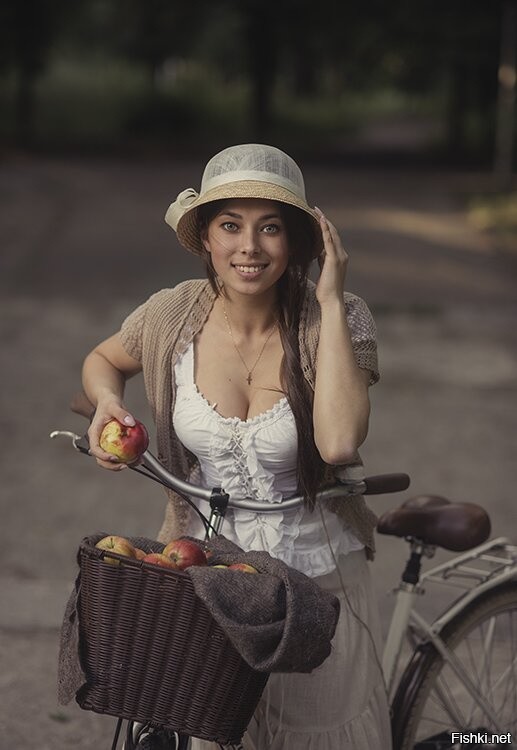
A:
x: 129, y: 420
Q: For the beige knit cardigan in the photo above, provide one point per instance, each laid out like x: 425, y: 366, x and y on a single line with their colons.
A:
x: 161, y: 329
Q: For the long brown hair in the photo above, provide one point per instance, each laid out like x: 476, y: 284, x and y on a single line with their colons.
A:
x: 292, y: 287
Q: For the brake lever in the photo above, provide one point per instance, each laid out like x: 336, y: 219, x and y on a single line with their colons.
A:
x: 80, y: 442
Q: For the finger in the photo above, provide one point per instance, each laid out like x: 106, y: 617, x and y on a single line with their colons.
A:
x: 102, y: 455
x: 336, y: 239
x: 330, y: 234
x: 111, y: 466
x: 124, y: 416
x: 328, y: 242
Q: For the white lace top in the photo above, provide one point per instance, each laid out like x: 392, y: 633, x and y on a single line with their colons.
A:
x: 255, y: 458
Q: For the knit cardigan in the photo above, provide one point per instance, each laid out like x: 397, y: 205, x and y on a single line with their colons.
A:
x: 161, y: 329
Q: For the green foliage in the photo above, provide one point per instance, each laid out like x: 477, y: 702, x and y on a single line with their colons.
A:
x: 497, y: 214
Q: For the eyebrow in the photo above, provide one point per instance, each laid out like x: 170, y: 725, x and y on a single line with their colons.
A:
x: 235, y: 215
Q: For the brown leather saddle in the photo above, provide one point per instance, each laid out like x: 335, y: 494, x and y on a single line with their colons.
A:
x: 435, y: 520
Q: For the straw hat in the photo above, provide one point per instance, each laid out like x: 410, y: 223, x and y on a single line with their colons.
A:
x: 250, y: 170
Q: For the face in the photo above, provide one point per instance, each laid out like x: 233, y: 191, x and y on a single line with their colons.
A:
x: 247, y: 242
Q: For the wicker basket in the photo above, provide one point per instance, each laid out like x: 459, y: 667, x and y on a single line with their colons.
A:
x: 153, y: 653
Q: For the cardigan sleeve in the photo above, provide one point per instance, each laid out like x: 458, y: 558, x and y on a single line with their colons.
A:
x: 363, y: 333
x: 132, y: 329
x: 362, y: 330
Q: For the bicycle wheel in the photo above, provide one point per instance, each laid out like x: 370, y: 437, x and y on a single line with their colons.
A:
x: 432, y: 702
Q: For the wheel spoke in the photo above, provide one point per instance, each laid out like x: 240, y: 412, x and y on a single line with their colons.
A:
x: 447, y: 701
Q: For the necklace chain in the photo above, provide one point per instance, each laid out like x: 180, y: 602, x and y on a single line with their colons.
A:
x: 248, y: 369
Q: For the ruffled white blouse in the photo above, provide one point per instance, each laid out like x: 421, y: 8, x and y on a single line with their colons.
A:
x: 256, y: 458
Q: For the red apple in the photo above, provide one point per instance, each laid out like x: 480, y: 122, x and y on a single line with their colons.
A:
x: 244, y: 567
x: 124, y: 442
x: 139, y: 553
x: 184, y: 553
x: 118, y: 544
x: 157, y: 558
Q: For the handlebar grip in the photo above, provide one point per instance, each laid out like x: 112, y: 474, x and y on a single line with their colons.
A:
x: 81, y: 404
x: 384, y: 483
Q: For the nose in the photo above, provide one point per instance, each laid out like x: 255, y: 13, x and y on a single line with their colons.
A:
x: 249, y: 244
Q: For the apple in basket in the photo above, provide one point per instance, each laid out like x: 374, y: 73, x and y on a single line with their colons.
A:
x: 157, y: 558
x: 184, y: 553
x: 125, y: 442
x: 243, y: 567
x: 118, y: 544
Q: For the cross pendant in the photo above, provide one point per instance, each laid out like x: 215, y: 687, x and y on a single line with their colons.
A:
x: 249, y: 378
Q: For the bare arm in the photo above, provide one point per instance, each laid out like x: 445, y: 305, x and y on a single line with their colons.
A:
x: 105, y: 371
x: 341, y: 403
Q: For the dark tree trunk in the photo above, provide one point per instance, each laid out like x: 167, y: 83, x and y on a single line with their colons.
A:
x: 457, y: 109
x: 305, y: 69
x: 505, y: 121
x: 24, y: 107
x: 262, y: 66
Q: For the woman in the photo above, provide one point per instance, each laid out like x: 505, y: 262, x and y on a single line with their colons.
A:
x: 258, y: 382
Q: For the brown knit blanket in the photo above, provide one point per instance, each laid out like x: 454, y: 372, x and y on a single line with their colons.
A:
x: 279, y: 620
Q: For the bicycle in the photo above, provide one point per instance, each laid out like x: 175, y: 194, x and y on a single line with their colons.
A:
x: 459, y: 685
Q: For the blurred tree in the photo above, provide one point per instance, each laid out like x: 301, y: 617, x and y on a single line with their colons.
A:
x: 156, y: 30
x: 507, y: 77
x: 434, y: 48
x: 262, y: 40
x: 28, y: 30
x: 451, y: 46
x: 354, y: 43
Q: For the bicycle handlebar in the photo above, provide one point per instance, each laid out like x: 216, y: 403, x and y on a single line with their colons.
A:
x: 375, y: 485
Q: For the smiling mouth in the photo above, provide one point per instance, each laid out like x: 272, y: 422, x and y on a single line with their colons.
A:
x: 250, y: 269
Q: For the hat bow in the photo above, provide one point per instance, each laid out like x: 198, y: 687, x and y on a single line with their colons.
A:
x: 176, y: 210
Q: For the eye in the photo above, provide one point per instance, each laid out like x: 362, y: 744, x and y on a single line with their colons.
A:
x: 229, y: 226
x: 271, y: 228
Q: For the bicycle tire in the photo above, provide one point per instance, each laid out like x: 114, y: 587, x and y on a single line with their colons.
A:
x: 429, y: 691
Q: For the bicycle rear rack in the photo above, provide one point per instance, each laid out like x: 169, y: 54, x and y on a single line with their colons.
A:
x: 476, y: 567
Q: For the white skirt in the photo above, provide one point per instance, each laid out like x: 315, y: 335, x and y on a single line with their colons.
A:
x: 341, y: 705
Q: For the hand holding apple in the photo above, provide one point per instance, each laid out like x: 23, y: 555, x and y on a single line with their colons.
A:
x: 109, y: 407
x: 126, y: 442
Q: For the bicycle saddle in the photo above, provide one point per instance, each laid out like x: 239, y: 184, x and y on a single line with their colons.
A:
x: 435, y: 520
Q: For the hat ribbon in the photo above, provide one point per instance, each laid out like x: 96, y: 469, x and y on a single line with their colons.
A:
x: 183, y: 202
